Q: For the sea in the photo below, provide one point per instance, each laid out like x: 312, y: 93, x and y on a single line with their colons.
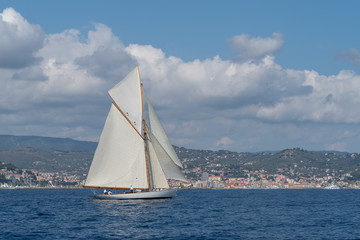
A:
x: 192, y: 214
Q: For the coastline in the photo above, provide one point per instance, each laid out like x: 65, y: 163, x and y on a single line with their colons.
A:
x: 43, y: 188
x: 82, y: 188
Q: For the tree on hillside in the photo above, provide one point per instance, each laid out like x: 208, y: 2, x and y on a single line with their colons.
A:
x: 3, y: 179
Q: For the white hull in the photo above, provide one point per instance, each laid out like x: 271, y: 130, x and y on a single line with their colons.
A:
x: 140, y: 195
x: 332, y: 186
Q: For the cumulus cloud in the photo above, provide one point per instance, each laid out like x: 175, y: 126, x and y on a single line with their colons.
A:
x: 224, y: 142
x: 19, y: 40
x: 261, y: 89
x: 107, y: 63
x: 338, y: 146
x: 32, y: 73
x: 59, y: 88
x: 56, y: 92
x: 333, y: 99
x: 351, y: 56
x: 256, y: 47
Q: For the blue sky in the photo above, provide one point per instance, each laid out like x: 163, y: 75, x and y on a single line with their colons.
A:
x: 250, y: 75
x: 314, y: 31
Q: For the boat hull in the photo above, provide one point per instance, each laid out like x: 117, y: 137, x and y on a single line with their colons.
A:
x: 139, y: 195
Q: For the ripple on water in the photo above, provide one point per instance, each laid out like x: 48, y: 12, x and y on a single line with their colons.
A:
x: 193, y: 214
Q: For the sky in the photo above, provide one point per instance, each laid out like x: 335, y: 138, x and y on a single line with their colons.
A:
x: 243, y: 76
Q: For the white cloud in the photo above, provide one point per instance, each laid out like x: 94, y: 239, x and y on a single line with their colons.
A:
x: 338, y: 146
x: 334, y: 99
x: 18, y: 40
x: 210, y: 103
x: 256, y: 47
x: 224, y: 142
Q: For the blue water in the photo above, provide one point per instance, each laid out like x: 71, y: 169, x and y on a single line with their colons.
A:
x: 192, y: 214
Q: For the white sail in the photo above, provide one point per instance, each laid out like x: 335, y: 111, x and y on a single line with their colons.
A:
x: 158, y: 177
x: 159, y: 132
x: 170, y: 169
x: 119, y: 160
x: 127, y: 96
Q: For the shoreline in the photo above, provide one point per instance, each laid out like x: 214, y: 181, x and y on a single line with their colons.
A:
x: 82, y: 188
x: 43, y: 188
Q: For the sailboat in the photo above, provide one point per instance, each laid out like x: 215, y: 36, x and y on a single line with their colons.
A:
x: 129, y: 156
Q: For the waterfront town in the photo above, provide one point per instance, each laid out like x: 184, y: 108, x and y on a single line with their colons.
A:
x: 286, y: 169
x: 12, y: 177
x: 33, y: 162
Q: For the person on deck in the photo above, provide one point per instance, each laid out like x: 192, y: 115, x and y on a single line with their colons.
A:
x: 131, y: 189
x: 105, y: 192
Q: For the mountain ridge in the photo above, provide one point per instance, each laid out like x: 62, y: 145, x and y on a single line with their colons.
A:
x: 45, y: 143
x: 68, y: 144
x: 72, y: 156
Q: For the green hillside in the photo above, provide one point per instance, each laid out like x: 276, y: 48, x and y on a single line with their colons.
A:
x: 72, y: 162
x: 295, y: 163
x: 74, y: 157
x: 45, y: 143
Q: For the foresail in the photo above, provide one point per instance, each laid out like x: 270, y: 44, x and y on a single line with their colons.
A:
x: 119, y: 160
x: 127, y: 96
x: 158, y: 177
x: 159, y: 132
x: 170, y: 169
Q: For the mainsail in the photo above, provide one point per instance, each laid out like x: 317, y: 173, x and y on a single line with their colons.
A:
x: 120, y: 160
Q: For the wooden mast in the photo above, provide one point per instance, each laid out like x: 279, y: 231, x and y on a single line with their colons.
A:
x: 145, y: 137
